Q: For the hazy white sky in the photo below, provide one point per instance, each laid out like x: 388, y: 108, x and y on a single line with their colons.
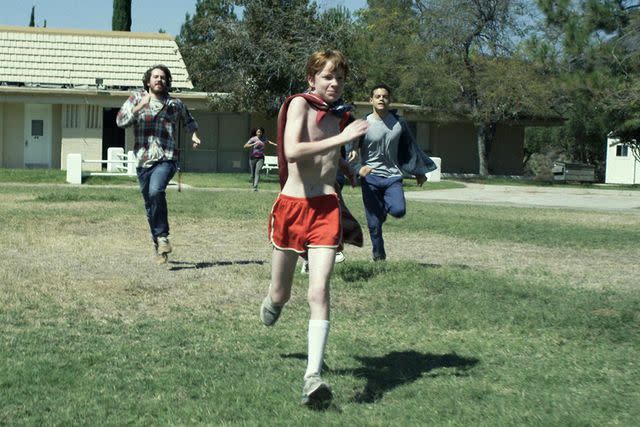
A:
x: 147, y: 15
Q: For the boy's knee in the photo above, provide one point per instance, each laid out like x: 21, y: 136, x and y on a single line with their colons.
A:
x: 317, y: 295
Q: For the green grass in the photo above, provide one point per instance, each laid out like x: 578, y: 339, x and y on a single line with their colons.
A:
x: 194, y: 179
x: 490, y: 327
x: 33, y: 175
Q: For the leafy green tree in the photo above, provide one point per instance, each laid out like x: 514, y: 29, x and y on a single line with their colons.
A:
x: 121, y: 18
x: 624, y: 104
x: 209, y: 41
x: 384, y: 47
x: 598, y: 75
x: 32, y: 20
x: 471, y: 54
x: 260, y: 59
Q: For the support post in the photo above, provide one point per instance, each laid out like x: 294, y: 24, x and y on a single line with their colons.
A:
x: 434, y: 176
x: 131, y: 163
x: 74, y: 168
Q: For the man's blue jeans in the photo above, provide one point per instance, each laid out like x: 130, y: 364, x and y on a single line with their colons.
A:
x: 381, y: 196
x: 153, y: 183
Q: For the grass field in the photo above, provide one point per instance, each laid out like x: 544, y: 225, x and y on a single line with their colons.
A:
x: 482, y: 315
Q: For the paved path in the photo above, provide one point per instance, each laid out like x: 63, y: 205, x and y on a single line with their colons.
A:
x: 532, y: 196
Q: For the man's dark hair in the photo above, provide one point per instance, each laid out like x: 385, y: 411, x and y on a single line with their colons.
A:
x: 147, y: 76
x: 380, y: 86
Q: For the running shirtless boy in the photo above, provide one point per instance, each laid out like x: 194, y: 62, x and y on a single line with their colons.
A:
x: 305, y: 218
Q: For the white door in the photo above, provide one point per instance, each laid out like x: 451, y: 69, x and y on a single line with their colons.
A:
x: 37, y: 136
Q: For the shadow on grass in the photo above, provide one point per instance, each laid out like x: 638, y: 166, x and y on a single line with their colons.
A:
x: 365, y: 271
x: 395, y: 369
x: 186, y: 265
x: 398, y: 368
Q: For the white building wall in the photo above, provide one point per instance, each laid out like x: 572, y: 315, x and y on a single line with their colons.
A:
x: 621, y: 169
x: 81, y: 134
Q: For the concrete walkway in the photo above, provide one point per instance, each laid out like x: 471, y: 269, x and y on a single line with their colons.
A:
x: 532, y: 196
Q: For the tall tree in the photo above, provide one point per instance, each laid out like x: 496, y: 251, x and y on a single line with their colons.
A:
x: 32, y: 20
x: 624, y: 104
x: 472, y: 49
x: 121, y: 18
x: 258, y: 60
x: 385, y: 45
x: 587, y: 39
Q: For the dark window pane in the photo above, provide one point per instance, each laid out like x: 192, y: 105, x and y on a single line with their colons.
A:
x: 37, y: 127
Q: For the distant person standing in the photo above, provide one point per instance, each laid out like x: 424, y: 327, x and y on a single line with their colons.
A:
x: 388, y: 151
x: 257, y: 143
x: 154, y: 116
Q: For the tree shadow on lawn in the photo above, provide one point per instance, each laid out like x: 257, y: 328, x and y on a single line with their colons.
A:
x: 185, y: 265
x: 395, y: 369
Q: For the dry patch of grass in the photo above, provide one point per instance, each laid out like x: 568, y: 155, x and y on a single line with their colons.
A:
x: 593, y: 268
x: 83, y: 255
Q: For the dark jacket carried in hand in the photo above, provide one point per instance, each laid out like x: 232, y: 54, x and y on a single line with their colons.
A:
x: 411, y: 159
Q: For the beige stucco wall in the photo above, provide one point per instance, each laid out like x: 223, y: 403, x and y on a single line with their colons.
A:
x: 89, y: 145
x: 1, y: 134
x: 13, y: 135
x: 80, y: 140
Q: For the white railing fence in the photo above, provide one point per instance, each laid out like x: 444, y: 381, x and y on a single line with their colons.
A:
x: 118, y: 164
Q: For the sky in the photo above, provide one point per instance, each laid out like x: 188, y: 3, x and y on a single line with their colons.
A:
x: 146, y: 15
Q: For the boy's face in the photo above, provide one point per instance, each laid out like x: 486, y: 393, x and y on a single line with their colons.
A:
x: 380, y: 100
x: 328, y: 83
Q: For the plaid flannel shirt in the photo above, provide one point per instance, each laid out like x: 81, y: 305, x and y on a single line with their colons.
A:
x: 155, y: 134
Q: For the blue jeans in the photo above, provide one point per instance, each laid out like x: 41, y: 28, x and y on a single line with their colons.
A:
x: 381, y: 196
x: 153, y: 183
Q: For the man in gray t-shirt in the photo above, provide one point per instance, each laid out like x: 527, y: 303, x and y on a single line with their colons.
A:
x: 381, y: 175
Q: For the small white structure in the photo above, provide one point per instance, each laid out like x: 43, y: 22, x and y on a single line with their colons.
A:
x: 622, y: 166
x: 434, y: 175
x: 118, y: 164
x: 270, y: 163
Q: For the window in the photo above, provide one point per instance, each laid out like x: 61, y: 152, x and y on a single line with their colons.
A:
x: 37, y: 127
x: 622, y: 150
x: 94, y: 117
x: 71, y: 116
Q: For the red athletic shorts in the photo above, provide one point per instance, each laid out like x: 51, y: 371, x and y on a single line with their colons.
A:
x: 298, y: 223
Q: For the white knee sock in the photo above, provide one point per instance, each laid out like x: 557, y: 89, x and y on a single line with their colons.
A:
x: 317, y: 341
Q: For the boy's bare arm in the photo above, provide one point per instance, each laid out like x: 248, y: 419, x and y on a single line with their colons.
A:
x: 296, y: 122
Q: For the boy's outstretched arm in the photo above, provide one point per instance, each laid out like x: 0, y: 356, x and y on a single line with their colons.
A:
x: 294, y: 147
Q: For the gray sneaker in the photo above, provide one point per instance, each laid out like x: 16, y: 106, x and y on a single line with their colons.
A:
x: 164, y: 247
x: 316, y: 393
x: 269, y: 312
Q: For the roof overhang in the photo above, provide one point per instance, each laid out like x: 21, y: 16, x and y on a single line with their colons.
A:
x: 104, y: 98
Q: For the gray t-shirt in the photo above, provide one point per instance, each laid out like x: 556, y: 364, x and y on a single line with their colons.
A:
x: 380, y: 145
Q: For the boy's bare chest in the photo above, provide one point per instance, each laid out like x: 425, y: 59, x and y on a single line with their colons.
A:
x: 326, y: 128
